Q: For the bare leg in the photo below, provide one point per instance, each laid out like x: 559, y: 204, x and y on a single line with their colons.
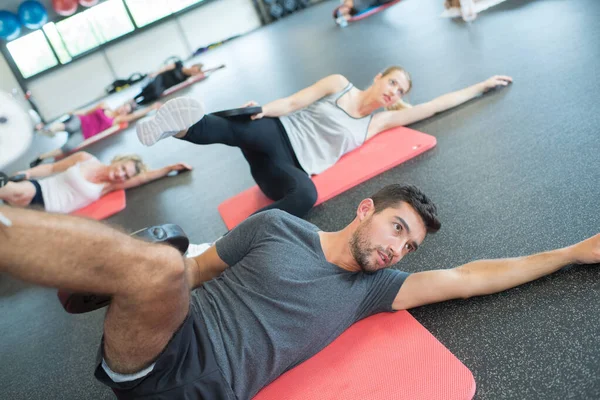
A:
x: 51, y: 154
x: 18, y: 194
x: 53, y: 129
x: 147, y: 282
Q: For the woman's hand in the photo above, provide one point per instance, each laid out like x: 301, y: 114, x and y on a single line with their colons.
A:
x: 26, y: 173
x: 254, y: 104
x: 495, y: 81
x: 180, y: 167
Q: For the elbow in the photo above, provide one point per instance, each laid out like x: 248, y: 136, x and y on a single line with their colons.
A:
x: 464, y: 287
x: 290, y: 105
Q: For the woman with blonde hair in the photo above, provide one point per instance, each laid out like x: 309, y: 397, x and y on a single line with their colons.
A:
x: 79, y: 180
x: 306, y: 133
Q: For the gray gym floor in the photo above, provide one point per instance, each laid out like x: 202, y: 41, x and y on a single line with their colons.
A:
x: 514, y: 172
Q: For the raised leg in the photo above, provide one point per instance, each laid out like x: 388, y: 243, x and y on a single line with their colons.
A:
x: 147, y: 282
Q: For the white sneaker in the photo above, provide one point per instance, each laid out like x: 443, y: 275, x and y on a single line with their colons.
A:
x: 173, y: 117
x: 196, y: 249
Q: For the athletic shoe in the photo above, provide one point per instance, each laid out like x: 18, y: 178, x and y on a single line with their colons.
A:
x: 173, y: 117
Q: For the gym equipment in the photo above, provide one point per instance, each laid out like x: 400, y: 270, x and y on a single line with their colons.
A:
x: 121, y: 84
x: 239, y: 113
x: 10, y: 27
x: 88, y: 3
x: 276, y: 10
x: 65, y: 7
x: 106, y: 206
x: 77, y: 303
x: 362, y: 15
x: 204, y: 49
x: 32, y: 14
x: 16, y: 130
x: 385, y: 356
x: 190, y: 81
x: 386, y: 150
x: 4, y: 179
x: 289, y: 5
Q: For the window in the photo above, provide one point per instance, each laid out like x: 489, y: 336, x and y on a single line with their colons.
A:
x: 178, y: 5
x: 145, y: 12
x: 93, y: 27
x: 86, y: 30
x: 110, y: 20
x: 57, y: 43
x: 32, y: 53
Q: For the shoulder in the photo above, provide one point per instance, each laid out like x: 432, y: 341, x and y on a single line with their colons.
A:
x: 335, y: 82
x: 82, y: 156
x: 277, y: 219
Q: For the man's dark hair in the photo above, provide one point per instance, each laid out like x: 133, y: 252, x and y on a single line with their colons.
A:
x: 392, y: 195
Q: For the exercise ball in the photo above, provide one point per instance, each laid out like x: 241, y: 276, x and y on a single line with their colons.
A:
x: 32, y: 14
x: 16, y: 130
x: 10, y: 27
x: 88, y: 3
x: 64, y: 7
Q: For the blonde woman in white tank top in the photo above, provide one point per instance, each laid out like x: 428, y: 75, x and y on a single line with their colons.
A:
x: 307, y: 132
x: 79, y: 180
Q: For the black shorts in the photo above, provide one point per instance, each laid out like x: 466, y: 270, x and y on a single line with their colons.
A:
x: 38, y: 199
x: 186, y: 369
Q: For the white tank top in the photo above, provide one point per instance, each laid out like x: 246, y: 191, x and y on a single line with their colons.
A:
x: 69, y: 190
x: 323, y: 132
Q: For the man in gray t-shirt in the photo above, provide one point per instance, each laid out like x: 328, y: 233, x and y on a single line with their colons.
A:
x: 269, y: 295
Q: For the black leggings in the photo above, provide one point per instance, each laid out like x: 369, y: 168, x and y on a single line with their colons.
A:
x: 150, y: 93
x: 273, y: 164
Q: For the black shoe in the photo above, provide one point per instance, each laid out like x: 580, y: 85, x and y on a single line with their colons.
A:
x: 3, y: 179
x: 78, y: 303
x: 35, y: 162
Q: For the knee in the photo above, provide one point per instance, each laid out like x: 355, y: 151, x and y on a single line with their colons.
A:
x: 163, y: 270
x: 304, y: 199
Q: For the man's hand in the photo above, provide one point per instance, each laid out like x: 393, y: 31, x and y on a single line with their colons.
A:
x: 586, y: 251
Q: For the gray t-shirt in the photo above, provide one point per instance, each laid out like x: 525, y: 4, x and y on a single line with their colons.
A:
x: 280, y: 302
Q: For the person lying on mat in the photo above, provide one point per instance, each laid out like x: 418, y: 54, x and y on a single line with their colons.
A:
x: 84, y: 124
x: 350, y: 8
x: 78, y: 180
x: 306, y: 133
x: 267, y: 296
x: 168, y: 76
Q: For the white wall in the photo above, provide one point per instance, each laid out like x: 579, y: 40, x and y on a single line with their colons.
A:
x: 219, y: 20
x: 7, y: 79
x: 147, y: 50
x: 71, y: 86
x: 84, y: 80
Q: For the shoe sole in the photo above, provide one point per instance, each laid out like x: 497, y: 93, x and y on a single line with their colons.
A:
x: 173, y: 117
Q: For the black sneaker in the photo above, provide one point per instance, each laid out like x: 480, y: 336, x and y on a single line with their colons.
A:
x: 3, y: 179
x: 35, y: 162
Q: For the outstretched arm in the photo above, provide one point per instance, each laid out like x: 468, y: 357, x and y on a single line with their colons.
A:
x: 303, y: 98
x: 391, y: 119
x: 89, y: 110
x: 483, y: 277
x: 148, y: 176
x: 44, y: 170
x: 163, y: 69
x: 138, y: 114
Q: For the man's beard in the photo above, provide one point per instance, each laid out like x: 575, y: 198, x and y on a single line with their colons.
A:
x: 360, y: 247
